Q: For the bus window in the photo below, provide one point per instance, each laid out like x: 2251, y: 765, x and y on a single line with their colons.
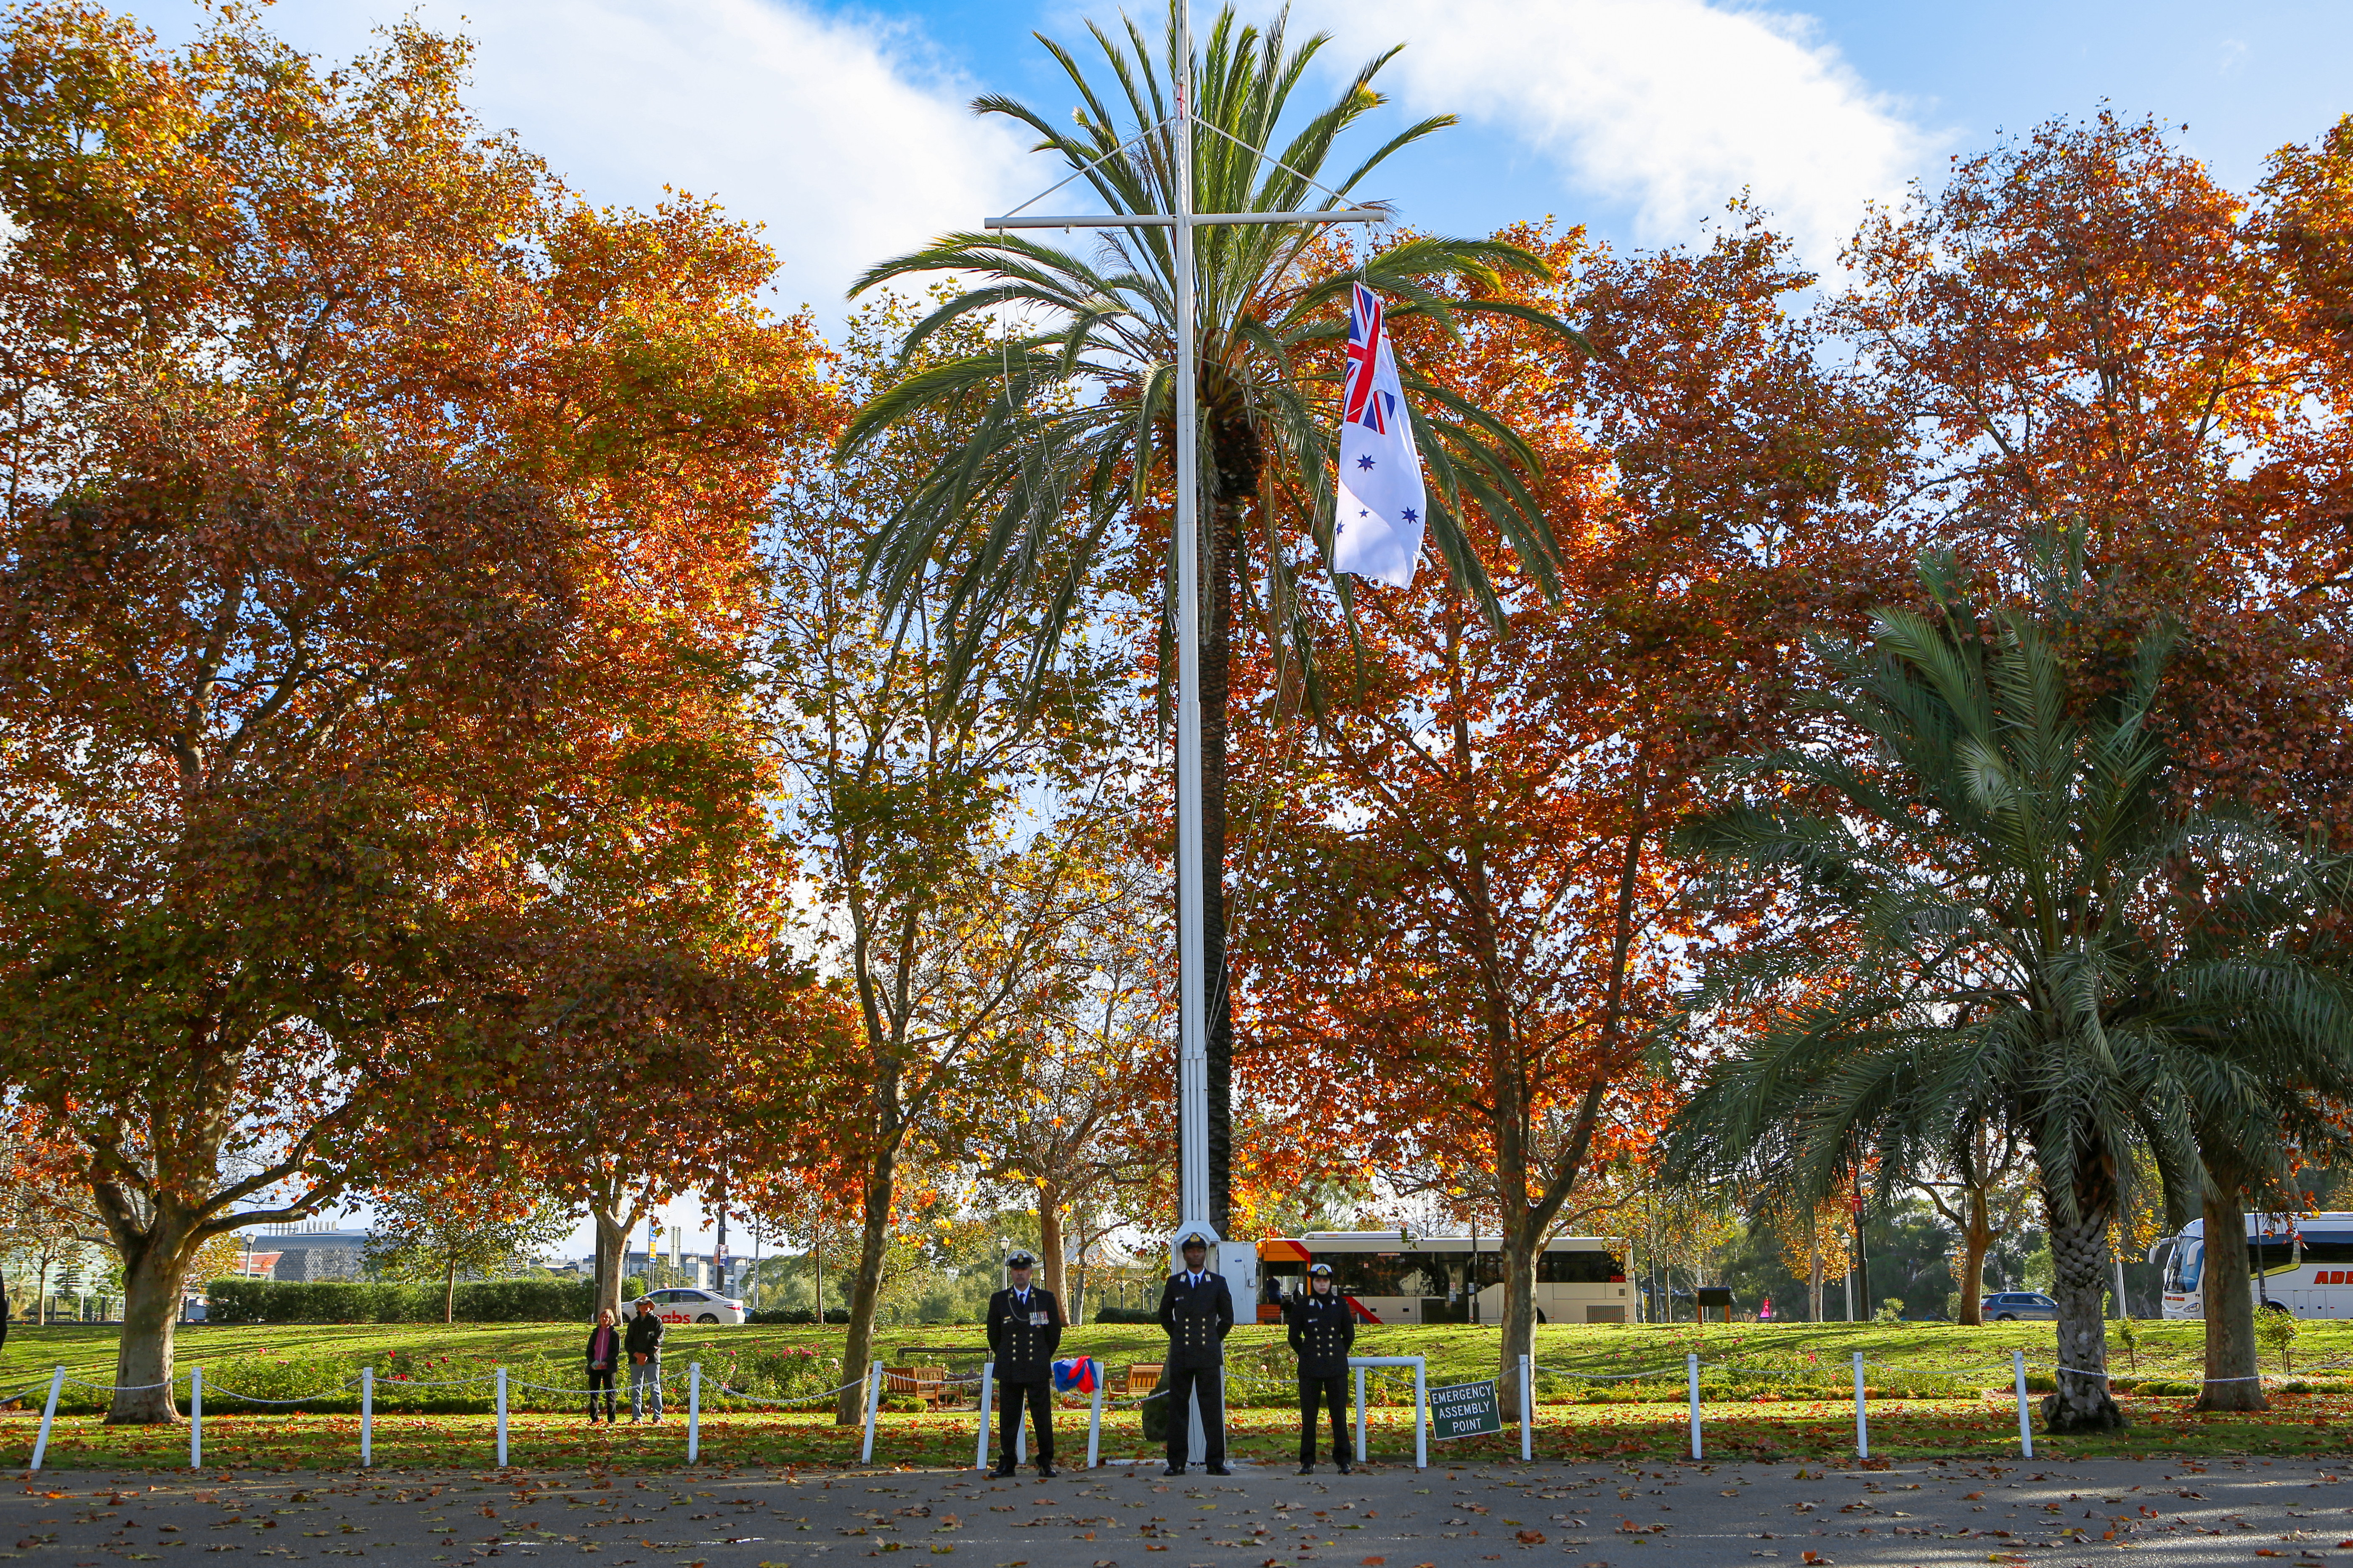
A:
x: 2189, y: 1264
x: 1578, y: 1268
x: 1369, y: 1274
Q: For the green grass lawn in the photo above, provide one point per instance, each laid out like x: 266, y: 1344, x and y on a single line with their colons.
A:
x: 1748, y: 1418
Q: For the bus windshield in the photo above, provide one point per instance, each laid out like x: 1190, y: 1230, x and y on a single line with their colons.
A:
x: 2189, y: 1264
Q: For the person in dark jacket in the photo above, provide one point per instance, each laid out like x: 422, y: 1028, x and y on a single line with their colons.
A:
x: 604, y: 1363
x: 1323, y: 1331
x: 642, y: 1345
x: 1197, y: 1313
x: 1025, y: 1329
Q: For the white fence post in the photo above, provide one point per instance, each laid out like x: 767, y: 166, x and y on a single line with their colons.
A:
x: 1528, y: 1412
x: 1420, y: 1415
x: 980, y: 1444
x: 873, y: 1400
x: 368, y: 1416
x: 48, y: 1414
x: 694, y: 1413
x: 1691, y: 1370
x: 196, y: 1418
x: 502, y: 1418
x: 1862, y: 1429
x: 2025, y: 1422
x: 1360, y: 1415
x: 1094, y: 1420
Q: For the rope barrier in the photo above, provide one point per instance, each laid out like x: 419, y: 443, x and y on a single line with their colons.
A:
x: 122, y: 1387
x: 215, y: 1390
x: 791, y: 1399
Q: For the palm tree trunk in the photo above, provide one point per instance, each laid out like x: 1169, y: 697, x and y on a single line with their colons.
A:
x: 1236, y: 459
x: 1977, y: 1238
x: 2233, y: 1380
x: 2079, y: 1256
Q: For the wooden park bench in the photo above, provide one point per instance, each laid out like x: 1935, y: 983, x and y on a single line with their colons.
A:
x: 928, y: 1383
x: 1142, y: 1378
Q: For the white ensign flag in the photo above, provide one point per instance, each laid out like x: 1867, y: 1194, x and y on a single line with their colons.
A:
x: 1376, y: 530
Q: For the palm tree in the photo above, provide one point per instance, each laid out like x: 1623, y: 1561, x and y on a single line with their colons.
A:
x: 1072, y: 415
x: 2006, y: 917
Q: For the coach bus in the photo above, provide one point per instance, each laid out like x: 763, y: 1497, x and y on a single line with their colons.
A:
x: 2302, y: 1263
x: 1395, y: 1276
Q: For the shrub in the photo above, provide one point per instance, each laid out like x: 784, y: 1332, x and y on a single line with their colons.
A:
x: 1126, y: 1315
x: 324, y: 1379
x: 379, y: 1301
x: 836, y: 1314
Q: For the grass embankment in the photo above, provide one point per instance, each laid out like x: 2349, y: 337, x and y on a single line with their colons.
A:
x: 1771, y: 1392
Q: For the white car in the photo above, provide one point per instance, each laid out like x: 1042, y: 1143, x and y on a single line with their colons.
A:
x: 690, y: 1306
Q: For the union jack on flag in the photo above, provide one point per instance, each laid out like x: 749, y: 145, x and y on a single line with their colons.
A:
x: 1366, y: 404
x: 1377, y: 524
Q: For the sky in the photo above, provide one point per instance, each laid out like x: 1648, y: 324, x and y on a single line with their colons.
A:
x: 844, y: 128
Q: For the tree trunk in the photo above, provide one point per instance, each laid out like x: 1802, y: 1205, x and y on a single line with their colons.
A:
x: 612, y: 1253
x: 1977, y: 1239
x: 1520, y: 1242
x: 1049, y: 1243
x: 1814, y: 1289
x: 2079, y: 1258
x: 1235, y: 457
x: 2226, y: 1289
x: 152, y: 1271
x: 449, y: 1293
x: 866, y: 1287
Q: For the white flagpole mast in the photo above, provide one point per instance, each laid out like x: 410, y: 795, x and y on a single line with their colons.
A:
x: 1192, y: 906
x: 1193, y: 891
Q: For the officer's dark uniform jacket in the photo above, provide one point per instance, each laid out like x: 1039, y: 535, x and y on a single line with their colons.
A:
x: 1322, y: 1332
x: 1024, y: 1350
x: 1197, y: 1319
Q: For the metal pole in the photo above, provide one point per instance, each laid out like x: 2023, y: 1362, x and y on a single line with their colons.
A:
x: 1691, y: 1370
x: 502, y: 1418
x: 980, y: 1444
x: 1360, y: 1415
x: 1094, y: 1420
x: 48, y: 1414
x: 1192, y: 891
x: 2025, y: 1423
x: 1420, y: 1414
x: 873, y: 1400
x: 1862, y: 1432
x: 196, y: 1418
x: 694, y: 1413
x: 1528, y: 1412
x: 368, y: 1416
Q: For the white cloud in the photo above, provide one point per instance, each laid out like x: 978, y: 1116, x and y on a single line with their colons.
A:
x: 842, y: 135
x: 1667, y: 106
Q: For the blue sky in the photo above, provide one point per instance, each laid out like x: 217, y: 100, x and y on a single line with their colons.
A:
x: 843, y: 129
x: 842, y: 126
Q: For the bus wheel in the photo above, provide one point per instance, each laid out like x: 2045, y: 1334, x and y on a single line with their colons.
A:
x: 2275, y: 1306
x: 1540, y: 1317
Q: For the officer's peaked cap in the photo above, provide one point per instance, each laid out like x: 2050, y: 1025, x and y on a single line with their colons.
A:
x: 1320, y: 1268
x: 1194, y: 1238
x: 1020, y: 1257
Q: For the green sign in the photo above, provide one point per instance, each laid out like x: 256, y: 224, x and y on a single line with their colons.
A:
x: 1465, y: 1410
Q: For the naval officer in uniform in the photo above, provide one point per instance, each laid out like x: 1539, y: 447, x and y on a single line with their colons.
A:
x: 1323, y: 1331
x: 1025, y: 1329
x: 1197, y: 1313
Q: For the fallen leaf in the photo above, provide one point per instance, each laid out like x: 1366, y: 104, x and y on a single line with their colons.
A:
x: 1531, y: 1538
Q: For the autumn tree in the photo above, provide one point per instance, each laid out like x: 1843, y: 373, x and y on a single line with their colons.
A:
x: 938, y: 789
x: 1466, y: 923
x: 458, y: 1224
x: 357, y: 475
x: 2089, y: 336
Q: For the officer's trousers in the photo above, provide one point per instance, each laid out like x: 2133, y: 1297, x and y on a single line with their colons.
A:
x: 1318, y: 1391
x: 1207, y: 1386
x: 1040, y: 1399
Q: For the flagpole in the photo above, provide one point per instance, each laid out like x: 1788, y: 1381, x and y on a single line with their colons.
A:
x: 1192, y: 891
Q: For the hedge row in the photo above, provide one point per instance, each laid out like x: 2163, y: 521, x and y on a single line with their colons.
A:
x: 377, y: 1302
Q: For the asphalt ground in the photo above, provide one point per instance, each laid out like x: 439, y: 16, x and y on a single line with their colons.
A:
x: 1386, y: 1516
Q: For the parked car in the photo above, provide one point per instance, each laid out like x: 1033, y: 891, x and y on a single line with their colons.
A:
x: 687, y: 1305
x: 2019, y: 1307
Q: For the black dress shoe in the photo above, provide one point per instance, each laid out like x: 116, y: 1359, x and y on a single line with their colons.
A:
x: 1174, y: 1471
x: 1002, y: 1473
x: 1344, y: 1466
x: 1306, y: 1469
x: 1047, y: 1472
x: 1219, y: 1470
